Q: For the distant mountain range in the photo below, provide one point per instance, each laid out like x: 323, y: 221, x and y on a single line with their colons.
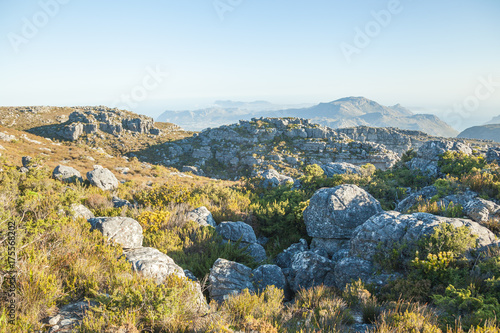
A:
x: 345, y: 112
x: 488, y: 131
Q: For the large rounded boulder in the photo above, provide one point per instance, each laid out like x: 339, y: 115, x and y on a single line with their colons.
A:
x: 102, y: 178
x: 334, y: 213
x: 67, y: 174
x: 228, y: 278
x: 153, y: 263
x: 123, y: 230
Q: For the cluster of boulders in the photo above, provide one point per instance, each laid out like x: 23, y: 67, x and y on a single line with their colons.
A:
x: 100, y: 177
x: 272, y: 178
x: 429, y: 154
x: 474, y: 207
x: 88, y: 120
x: 250, y: 146
x: 348, y: 227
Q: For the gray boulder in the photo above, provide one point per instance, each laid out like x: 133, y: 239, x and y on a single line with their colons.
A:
x: 310, y: 269
x: 430, y: 153
x: 493, y: 155
x: 119, y: 203
x: 152, y: 263
x: 80, y: 211
x: 202, y: 216
x: 273, y: 178
x: 28, y: 162
x: 268, y: 275
x: 228, y: 278
x: 351, y: 269
x: 390, y: 227
x: 102, y: 178
x: 72, y: 131
x: 284, y: 259
x: 336, y: 212
x: 235, y: 231
x: 256, y: 251
x: 427, y: 193
x: 125, y: 231
x: 481, y: 210
x: 329, y: 245
x: 340, y: 168
x: 67, y: 174
x: 413, y: 199
x: 193, y: 170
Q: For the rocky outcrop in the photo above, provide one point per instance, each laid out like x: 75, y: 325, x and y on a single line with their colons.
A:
x: 334, y: 213
x: 249, y: 148
x: 202, y: 216
x: 429, y: 154
x: 431, y: 193
x: 102, y: 178
x: 240, y: 231
x: 228, y: 278
x: 69, y: 316
x: 123, y: 230
x: 90, y: 120
x: 389, y: 228
x: 340, y: 168
x: 152, y: 263
x: 493, y: 155
x: 67, y: 174
x: 273, y: 178
x: 416, y: 198
x: 481, y: 210
x: 7, y: 137
x: 395, y: 139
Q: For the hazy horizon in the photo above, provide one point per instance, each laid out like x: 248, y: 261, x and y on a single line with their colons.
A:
x: 441, y: 58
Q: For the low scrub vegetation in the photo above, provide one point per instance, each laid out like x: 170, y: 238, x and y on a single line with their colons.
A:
x: 446, y: 284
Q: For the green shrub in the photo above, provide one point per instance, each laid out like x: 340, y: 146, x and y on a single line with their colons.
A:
x: 467, y: 305
x: 457, y: 163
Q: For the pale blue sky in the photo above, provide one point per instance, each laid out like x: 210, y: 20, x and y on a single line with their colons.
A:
x: 92, y: 52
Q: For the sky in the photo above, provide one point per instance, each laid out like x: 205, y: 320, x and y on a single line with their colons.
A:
x: 148, y: 56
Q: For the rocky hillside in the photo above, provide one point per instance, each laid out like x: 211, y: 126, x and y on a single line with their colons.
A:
x: 116, y: 131
x: 345, y: 112
x: 484, y: 132
x: 281, y: 143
